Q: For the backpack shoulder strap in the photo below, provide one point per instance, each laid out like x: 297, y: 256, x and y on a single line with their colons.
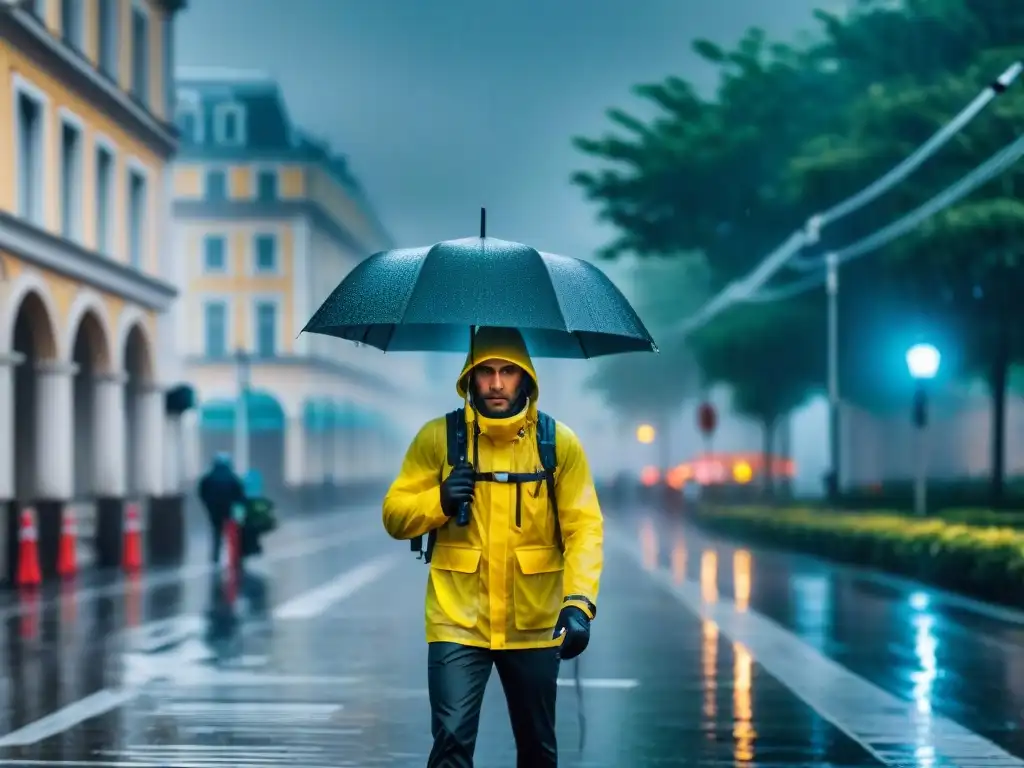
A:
x: 547, y: 448
x: 455, y: 429
x: 455, y: 422
x: 546, y: 442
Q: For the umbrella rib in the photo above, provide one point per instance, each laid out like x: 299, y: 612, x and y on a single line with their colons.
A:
x: 558, y: 299
x: 579, y: 340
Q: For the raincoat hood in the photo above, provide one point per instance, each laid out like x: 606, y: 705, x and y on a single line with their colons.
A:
x: 504, y: 344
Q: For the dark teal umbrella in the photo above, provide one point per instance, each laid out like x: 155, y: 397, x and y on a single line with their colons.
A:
x: 428, y: 300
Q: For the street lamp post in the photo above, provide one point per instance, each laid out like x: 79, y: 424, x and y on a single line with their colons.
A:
x: 923, y: 362
x: 242, y: 413
x: 834, y: 416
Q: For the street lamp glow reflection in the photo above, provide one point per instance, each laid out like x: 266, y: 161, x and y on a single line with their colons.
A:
x: 923, y: 361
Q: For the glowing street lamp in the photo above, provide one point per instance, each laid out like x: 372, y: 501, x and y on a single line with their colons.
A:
x: 645, y: 434
x: 923, y: 362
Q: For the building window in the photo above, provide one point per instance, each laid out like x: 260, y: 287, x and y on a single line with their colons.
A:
x: 266, y: 329
x: 266, y: 253
x: 266, y: 186
x: 136, y: 218
x: 108, y: 38
x: 30, y: 158
x: 70, y: 180
x: 140, y: 55
x: 229, y: 124
x: 216, y: 186
x: 188, y: 114
x: 215, y: 322
x: 167, y: 76
x: 72, y: 23
x: 215, y: 254
x: 187, y: 119
x: 104, y: 198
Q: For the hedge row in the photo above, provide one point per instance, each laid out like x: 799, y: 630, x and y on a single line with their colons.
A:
x: 978, y: 559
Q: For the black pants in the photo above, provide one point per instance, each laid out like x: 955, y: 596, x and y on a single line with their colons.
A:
x: 217, y: 526
x: 457, y: 676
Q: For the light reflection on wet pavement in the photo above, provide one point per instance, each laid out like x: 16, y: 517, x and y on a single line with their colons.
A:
x: 322, y: 663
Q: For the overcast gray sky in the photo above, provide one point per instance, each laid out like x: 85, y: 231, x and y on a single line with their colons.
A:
x: 447, y: 105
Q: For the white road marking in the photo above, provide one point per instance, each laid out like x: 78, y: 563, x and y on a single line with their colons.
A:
x: 95, y: 704
x: 300, y: 548
x: 185, y: 665
x: 615, y: 683
x: 874, y: 718
x: 316, y: 601
x: 222, y: 709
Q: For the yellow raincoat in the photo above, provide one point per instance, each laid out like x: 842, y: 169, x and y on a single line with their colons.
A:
x: 495, y: 583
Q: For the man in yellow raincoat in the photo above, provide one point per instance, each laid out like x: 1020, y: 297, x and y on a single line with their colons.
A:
x: 516, y: 588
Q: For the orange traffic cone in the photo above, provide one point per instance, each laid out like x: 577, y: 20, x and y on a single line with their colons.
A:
x: 28, y: 550
x: 67, y: 559
x: 131, y: 552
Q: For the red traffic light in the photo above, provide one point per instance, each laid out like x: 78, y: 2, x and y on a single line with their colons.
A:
x: 707, y: 419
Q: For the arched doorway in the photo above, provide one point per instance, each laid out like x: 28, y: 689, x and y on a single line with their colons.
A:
x: 90, y: 353
x: 266, y: 422
x: 35, y: 342
x: 138, y: 369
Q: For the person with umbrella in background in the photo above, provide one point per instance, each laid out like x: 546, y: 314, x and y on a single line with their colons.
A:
x: 514, y: 536
x: 516, y: 588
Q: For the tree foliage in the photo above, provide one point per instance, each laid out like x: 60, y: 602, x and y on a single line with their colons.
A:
x: 771, y: 355
x: 794, y: 129
x: 960, y: 268
x: 647, y: 386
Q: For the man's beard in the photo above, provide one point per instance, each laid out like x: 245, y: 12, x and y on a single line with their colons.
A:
x: 513, y: 405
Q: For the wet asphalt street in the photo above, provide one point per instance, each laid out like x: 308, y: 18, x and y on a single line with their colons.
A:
x: 704, y: 654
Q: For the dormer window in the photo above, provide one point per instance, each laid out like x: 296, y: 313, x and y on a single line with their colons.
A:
x: 188, y: 116
x: 229, y: 124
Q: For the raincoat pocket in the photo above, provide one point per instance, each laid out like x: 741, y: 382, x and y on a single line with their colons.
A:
x: 455, y: 586
x: 538, y: 587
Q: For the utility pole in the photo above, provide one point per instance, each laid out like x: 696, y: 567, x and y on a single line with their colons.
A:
x: 241, y: 457
x: 832, y: 291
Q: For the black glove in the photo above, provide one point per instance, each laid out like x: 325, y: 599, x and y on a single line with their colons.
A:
x: 457, y: 488
x: 575, y: 625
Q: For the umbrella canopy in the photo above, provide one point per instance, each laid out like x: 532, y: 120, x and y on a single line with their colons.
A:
x: 427, y: 300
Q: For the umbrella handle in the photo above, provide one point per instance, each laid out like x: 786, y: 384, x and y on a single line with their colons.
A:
x: 462, y: 517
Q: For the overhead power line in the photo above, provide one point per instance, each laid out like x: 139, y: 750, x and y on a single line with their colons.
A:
x: 951, y: 195
x: 786, y: 253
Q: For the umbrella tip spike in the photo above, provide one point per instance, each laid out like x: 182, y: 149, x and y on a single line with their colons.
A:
x: 483, y: 223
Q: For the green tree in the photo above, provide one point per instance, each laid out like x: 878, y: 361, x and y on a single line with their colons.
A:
x: 651, y: 387
x: 959, y: 270
x: 702, y: 176
x: 770, y: 355
x: 703, y: 180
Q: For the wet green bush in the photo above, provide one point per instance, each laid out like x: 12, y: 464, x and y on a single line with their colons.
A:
x: 959, y: 553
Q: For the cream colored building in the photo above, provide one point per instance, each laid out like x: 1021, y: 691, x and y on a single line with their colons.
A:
x: 85, y: 281
x: 269, y: 220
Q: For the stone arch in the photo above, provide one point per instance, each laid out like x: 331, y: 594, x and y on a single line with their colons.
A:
x: 30, y: 294
x: 88, y: 315
x: 137, y: 352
